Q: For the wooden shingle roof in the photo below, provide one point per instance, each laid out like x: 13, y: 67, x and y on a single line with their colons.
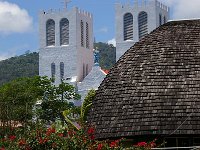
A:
x: 154, y: 88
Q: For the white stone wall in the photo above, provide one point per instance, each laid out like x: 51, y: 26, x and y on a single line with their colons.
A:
x: 73, y: 55
x: 153, y: 9
x: 85, y: 55
x: 56, y: 55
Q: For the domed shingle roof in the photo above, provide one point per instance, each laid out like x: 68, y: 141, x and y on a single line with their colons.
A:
x: 154, y: 88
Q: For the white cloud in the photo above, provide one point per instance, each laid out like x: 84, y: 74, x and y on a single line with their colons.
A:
x: 2, y: 57
x: 184, y: 9
x: 103, y: 30
x: 13, y: 51
x: 113, y: 42
x: 13, y: 18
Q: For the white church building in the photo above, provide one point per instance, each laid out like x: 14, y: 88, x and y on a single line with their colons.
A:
x: 66, y: 40
x: 66, y: 44
x: 66, y: 49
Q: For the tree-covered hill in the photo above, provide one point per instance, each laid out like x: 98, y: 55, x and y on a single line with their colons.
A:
x: 107, y: 54
x: 27, y: 65
x: 20, y: 66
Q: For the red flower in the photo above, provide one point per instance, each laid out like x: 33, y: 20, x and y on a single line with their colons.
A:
x: 42, y: 141
x: 60, y: 134
x: 71, y: 133
x: 2, y: 148
x: 152, y: 144
x: 91, y: 137
x: 27, y: 148
x: 21, y: 142
x: 142, y: 144
x: 12, y: 137
x: 100, y: 146
x: 50, y: 131
x: 114, y: 144
x: 4, y: 139
x: 90, y: 130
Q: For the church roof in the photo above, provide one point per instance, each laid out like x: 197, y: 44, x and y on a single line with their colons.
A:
x: 154, y: 88
x: 93, y: 79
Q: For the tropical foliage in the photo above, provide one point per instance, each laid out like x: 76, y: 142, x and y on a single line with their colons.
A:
x: 68, y: 129
x: 17, y: 99
x: 56, y: 100
x: 23, y: 93
x: 86, y: 105
x: 76, y: 116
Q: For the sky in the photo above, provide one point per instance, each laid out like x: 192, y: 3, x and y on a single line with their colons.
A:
x: 19, y: 20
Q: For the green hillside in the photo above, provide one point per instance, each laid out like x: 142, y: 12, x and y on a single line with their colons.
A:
x: 20, y: 66
x: 107, y: 55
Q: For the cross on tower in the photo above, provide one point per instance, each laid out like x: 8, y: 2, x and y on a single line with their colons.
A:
x: 65, y: 3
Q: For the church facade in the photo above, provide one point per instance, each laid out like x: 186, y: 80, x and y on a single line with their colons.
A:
x: 135, y: 21
x: 66, y: 44
x: 66, y: 49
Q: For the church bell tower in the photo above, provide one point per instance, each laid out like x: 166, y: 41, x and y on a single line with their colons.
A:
x: 135, y: 21
x: 66, y: 44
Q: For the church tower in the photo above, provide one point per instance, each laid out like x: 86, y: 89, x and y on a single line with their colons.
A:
x: 66, y: 44
x: 135, y: 21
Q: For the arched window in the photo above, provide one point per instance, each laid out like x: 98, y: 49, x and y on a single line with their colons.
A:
x: 128, y: 26
x: 50, y: 32
x: 64, y: 31
x: 53, y: 71
x: 142, y: 24
x: 87, y: 35
x: 82, y: 34
x: 61, y: 70
x: 164, y: 19
x: 160, y: 19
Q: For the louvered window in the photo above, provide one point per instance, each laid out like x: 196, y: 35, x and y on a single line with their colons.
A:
x: 128, y: 26
x: 160, y: 19
x: 164, y: 19
x: 142, y: 24
x: 53, y: 71
x: 86, y: 69
x: 87, y: 35
x: 64, y: 31
x: 50, y: 32
x: 83, y: 71
x: 61, y: 70
x: 82, y: 34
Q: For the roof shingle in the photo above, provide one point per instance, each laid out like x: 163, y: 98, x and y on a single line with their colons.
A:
x: 154, y: 87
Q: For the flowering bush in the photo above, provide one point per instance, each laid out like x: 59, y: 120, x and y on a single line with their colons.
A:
x: 145, y: 146
x: 63, y: 139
